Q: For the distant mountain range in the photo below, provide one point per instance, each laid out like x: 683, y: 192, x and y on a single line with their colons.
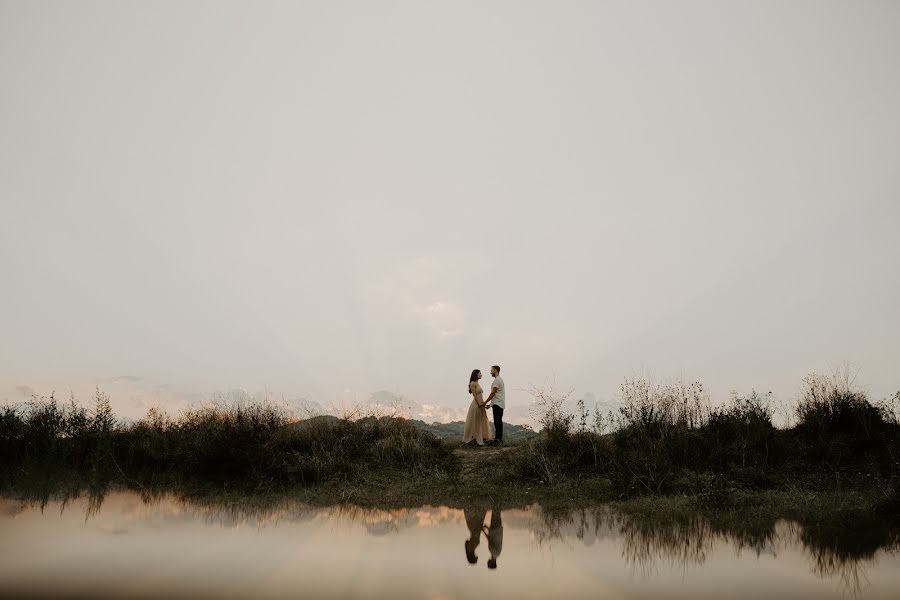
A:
x: 455, y: 429
x: 448, y: 431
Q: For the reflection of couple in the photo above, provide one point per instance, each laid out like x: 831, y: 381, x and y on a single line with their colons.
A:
x: 477, y: 428
x: 494, y: 533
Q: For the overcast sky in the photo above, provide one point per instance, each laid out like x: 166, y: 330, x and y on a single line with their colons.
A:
x: 330, y: 199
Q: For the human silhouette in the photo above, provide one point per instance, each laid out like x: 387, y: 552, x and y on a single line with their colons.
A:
x: 494, y: 537
x: 475, y: 523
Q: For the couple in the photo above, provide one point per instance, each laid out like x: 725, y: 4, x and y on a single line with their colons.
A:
x: 477, y: 427
x: 475, y: 523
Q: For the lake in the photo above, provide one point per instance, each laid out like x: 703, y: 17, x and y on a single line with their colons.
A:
x: 126, y: 545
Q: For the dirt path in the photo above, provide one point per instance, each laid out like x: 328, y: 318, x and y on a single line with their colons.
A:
x: 473, y: 461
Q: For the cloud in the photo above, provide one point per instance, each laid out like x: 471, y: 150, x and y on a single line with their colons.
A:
x: 429, y: 292
x: 435, y: 308
x: 443, y: 318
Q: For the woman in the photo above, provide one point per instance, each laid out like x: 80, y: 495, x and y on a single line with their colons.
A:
x: 475, y: 522
x: 477, y: 427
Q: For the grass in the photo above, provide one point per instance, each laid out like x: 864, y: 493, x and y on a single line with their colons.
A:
x: 675, y: 474
x: 245, y: 445
x: 666, y: 441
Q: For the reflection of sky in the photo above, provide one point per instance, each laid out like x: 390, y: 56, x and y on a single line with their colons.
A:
x: 170, y: 547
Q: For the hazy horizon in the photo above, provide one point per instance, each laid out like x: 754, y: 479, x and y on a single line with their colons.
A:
x: 329, y: 200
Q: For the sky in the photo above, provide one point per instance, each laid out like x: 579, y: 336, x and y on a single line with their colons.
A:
x: 324, y: 200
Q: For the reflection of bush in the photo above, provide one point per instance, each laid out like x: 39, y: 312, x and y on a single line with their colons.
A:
x: 842, y: 550
x: 681, y: 542
x: 839, y: 540
x: 839, y: 545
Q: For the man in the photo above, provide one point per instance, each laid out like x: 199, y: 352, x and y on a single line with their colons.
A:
x: 497, y: 402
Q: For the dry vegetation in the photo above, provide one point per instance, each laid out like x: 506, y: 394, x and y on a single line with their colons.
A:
x: 239, y: 444
x: 667, y: 439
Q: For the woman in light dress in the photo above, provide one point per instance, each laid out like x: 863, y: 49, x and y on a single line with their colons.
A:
x: 475, y: 522
x: 477, y: 427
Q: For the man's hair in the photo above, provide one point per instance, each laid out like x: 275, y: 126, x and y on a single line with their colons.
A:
x: 496, y: 367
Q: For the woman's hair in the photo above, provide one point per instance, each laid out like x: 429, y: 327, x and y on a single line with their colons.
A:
x: 473, y: 377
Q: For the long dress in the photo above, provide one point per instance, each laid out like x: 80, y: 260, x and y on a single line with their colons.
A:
x: 477, y: 427
x: 475, y: 522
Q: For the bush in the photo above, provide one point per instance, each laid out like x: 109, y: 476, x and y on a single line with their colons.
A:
x: 656, y: 433
x: 43, y: 431
x: 654, y: 407
x: 241, y: 443
x: 832, y: 406
x: 667, y: 438
x: 547, y: 409
x: 741, y: 435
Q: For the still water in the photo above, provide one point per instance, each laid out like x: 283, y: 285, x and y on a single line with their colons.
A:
x: 124, y: 545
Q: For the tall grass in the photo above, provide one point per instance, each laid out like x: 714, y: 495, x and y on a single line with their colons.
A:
x: 668, y: 437
x: 839, y: 427
x: 241, y: 443
x: 64, y: 433
x: 833, y: 406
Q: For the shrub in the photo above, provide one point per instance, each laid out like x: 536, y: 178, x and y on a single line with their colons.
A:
x: 242, y: 442
x: 652, y: 407
x: 833, y: 407
x: 657, y: 432
x: 12, y: 432
x: 741, y: 434
x: 547, y: 408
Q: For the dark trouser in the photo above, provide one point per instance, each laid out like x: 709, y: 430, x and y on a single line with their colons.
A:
x: 498, y: 422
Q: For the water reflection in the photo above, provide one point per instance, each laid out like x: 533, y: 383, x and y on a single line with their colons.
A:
x: 495, y: 537
x: 584, y: 551
x: 475, y: 516
x: 475, y: 523
x: 839, y: 550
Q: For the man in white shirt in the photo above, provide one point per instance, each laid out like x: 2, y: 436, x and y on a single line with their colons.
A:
x: 497, y: 402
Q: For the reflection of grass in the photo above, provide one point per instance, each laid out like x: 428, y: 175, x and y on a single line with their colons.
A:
x: 836, y: 531
x: 840, y: 538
